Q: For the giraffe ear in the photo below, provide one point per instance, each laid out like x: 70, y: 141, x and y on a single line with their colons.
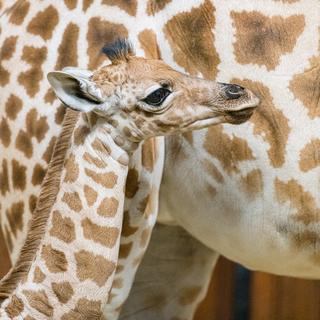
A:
x: 75, y: 89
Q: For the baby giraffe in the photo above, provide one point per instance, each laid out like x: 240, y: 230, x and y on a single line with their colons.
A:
x: 66, y: 267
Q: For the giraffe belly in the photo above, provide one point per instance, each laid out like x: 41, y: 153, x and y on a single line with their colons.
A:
x: 276, y: 230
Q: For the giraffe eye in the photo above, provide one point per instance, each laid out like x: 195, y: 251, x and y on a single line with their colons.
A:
x: 157, y: 97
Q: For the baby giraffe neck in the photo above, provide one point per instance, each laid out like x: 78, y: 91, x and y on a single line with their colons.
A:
x: 72, y: 272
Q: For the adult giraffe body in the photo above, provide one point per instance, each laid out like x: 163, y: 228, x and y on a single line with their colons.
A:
x: 268, y: 167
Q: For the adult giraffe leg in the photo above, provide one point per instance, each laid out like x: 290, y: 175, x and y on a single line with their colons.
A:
x: 173, y: 277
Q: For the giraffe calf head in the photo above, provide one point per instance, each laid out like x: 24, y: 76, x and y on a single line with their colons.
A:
x: 146, y: 97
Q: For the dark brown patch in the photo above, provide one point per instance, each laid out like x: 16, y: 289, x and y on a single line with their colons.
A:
x: 4, y: 76
x: 38, y: 275
x: 72, y: 169
x: 148, y: 42
x: 15, y: 217
x: 55, y: 260
x: 63, y: 291
x: 6, y: 52
x: 38, y: 174
x: 18, y: 175
x: 71, y: 4
x: 310, y: 156
x: 85, y: 309
x: 36, y: 126
x: 86, y: 4
x: 39, y: 301
x: 90, y: 195
x: 101, y: 32
x: 19, y: 12
x: 62, y: 227
x: 129, y: 6
x: 107, y: 236
x: 68, y: 49
x: 31, y: 79
x: 154, y: 6
x: 93, y: 267
x: 125, y: 249
x: 14, y: 307
x: 194, y: 55
x: 72, y: 199
x: 44, y: 22
x: 306, y: 87
x: 229, y: 151
x: 149, y: 154
x: 107, y: 180
x: 5, y: 132
x: 32, y: 202
x: 263, y: 40
x: 108, y: 207
x: 132, y: 184
x: 269, y: 122
x: 306, y: 209
x: 98, y: 145
x: 8, y: 236
x: 24, y: 144
x: 48, y: 153
x: 50, y: 96
x: 80, y: 134
x: 13, y: 106
x: 4, y: 178
x: 252, y: 183
x: 60, y: 113
x: 127, y: 229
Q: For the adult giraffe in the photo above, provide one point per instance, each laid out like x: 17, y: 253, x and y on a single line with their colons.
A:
x: 272, y: 44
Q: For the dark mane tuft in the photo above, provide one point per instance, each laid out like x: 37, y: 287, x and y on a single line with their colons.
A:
x: 121, y: 49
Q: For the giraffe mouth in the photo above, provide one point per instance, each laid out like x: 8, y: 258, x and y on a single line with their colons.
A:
x: 239, y: 116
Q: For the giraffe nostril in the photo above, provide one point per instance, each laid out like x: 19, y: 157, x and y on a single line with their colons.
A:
x: 234, y: 91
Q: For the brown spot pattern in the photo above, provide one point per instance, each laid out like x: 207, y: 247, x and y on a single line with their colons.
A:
x: 129, y: 6
x: 62, y: 228
x: 38, y: 275
x: 86, y: 4
x: 181, y: 32
x: 252, y: 183
x: 59, y: 116
x: 4, y: 178
x: 269, y: 122
x: 72, y: 169
x: 63, y: 291
x: 94, y: 160
x: 14, y: 307
x: 93, y: 267
x: 55, y: 260
x: 44, y: 23
x: 48, y: 153
x: 212, y: 170
x: 31, y: 79
x: 68, y: 54
x: 6, y: 52
x: 15, y: 217
x: 32, y: 202
x: 229, y: 151
x: 107, y: 180
x: 13, y: 106
x: 99, y: 32
x: 154, y: 6
x: 5, y: 132
x: 125, y: 249
x: 38, y: 174
x: 85, y: 309
x: 304, y: 203
x: 80, y: 135
x: 71, y: 4
x: 127, y: 229
x: 19, y: 12
x: 24, y: 144
x: 39, y: 301
x: 310, y: 156
x: 108, y: 207
x: 148, y: 154
x: 90, y: 195
x: 306, y: 88
x: 18, y: 175
x: 132, y: 184
x: 73, y: 201
x: 107, y: 236
x: 36, y: 126
x: 148, y: 42
x: 263, y: 40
